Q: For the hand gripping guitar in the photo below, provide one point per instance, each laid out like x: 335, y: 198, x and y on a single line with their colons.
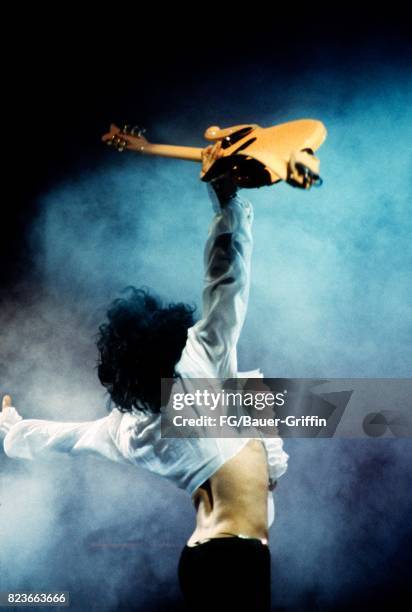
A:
x: 255, y: 156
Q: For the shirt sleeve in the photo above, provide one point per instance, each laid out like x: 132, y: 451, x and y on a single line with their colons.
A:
x: 277, y: 457
x: 227, y: 257
x: 43, y: 439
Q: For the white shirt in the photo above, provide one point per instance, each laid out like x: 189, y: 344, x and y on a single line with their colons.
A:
x: 210, y: 352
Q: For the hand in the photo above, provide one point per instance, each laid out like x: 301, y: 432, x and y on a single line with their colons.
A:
x: 6, y: 403
x: 8, y: 416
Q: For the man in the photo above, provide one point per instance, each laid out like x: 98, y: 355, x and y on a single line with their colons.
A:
x: 225, y: 564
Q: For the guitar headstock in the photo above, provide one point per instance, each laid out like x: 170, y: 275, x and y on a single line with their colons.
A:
x: 125, y: 138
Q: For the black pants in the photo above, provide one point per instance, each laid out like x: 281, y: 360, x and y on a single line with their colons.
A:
x: 226, y: 575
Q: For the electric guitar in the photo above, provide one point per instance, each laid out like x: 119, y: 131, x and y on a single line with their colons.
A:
x: 255, y: 156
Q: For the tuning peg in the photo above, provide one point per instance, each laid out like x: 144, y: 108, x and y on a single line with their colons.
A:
x: 118, y: 142
x: 137, y: 131
x: 126, y: 128
x: 121, y: 144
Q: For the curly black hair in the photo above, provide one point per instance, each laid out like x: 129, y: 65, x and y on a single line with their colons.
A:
x: 141, y: 343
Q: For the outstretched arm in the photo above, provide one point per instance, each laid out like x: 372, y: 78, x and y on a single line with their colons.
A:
x: 37, y: 438
x: 211, y: 347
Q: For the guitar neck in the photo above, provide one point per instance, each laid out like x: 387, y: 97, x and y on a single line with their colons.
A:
x: 190, y: 153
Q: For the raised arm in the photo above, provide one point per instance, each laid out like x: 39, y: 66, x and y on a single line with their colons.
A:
x: 212, y: 341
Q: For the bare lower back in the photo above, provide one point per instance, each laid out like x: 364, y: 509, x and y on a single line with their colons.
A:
x: 234, y: 500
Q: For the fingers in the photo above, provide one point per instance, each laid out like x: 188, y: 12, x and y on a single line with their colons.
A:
x: 7, y: 402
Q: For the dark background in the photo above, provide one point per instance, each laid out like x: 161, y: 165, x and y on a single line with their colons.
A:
x: 66, y: 77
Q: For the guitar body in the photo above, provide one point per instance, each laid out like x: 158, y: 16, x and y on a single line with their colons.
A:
x: 262, y: 155
x: 254, y: 155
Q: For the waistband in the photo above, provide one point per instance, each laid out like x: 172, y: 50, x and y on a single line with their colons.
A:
x: 229, y: 537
